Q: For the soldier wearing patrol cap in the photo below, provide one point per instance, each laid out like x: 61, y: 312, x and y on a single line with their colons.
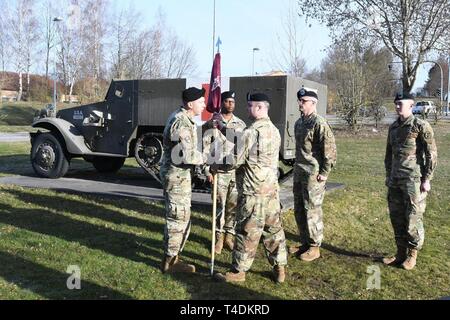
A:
x: 411, y: 158
x: 259, y: 213
x: 314, y: 159
x: 177, y: 165
x: 231, y: 127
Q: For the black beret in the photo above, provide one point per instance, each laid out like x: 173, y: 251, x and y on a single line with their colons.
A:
x: 227, y: 95
x: 306, y: 93
x: 257, y: 97
x: 403, y: 96
x: 193, y: 94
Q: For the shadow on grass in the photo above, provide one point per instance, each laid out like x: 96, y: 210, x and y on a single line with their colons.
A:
x: 18, y: 164
x: 49, y: 283
x: 18, y: 115
x: 376, y: 257
x: 117, y: 243
x: 91, y: 210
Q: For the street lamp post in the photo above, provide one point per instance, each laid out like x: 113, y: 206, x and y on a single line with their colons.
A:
x: 253, y: 66
x: 448, y: 86
x: 55, y: 20
x: 442, y: 76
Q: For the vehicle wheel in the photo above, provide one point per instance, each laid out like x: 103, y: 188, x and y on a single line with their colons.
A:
x: 48, y: 157
x: 108, y: 164
x: 148, y: 153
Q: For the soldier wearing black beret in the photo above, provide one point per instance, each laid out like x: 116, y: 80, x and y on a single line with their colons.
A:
x: 410, y: 161
x: 180, y: 157
x: 314, y: 158
x: 259, y: 214
x: 230, y: 126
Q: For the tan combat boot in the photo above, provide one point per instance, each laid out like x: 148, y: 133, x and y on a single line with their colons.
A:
x: 311, y: 254
x: 175, y: 265
x: 398, y: 259
x: 229, y: 241
x: 231, y: 276
x: 219, y: 243
x: 279, y: 274
x: 297, y: 249
x: 411, y: 257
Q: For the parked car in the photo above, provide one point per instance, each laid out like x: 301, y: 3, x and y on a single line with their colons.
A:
x: 424, y: 108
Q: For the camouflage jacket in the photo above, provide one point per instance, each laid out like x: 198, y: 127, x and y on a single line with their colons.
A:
x: 180, y: 146
x: 257, y: 159
x: 315, y: 145
x: 227, y: 138
x: 411, y: 150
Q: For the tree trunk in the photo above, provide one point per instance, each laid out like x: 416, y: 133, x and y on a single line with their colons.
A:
x: 19, y: 95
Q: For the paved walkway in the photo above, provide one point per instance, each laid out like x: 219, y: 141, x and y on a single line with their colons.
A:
x: 131, y: 186
x: 14, y: 137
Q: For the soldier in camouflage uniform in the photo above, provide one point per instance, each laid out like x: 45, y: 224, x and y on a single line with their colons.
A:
x: 177, y: 165
x: 410, y: 161
x: 259, y: 211
x: 315, y: 156
x: 227, y: 195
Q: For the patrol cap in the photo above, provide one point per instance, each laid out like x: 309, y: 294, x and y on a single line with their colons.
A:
x: 304, y: 92
x: 257, y: 97
x: 228, y: 95
x: 403, y: 96
x: 192, y: 94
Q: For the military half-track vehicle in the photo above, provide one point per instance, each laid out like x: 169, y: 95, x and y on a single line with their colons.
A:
x: 130, y: 123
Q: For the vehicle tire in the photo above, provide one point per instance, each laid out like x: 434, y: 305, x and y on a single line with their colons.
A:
x: 48, y: 157
x: 108, y: 164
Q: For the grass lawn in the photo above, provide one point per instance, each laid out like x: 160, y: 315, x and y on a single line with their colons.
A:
x: 117, y: 243
x: 18, y: 116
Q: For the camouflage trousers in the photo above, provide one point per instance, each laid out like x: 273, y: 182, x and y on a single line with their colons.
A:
x: 177, y: 195
x: 406, y: 208
x: 308, y: 199
x: 227, y: 198
x: 259, y: 216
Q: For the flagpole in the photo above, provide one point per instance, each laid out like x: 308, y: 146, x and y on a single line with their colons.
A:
x: 213, y: 241
x: 214, y: 29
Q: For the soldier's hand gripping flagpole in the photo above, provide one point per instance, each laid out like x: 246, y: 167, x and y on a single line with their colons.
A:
x: 214, y: 210
x: 213, y: 106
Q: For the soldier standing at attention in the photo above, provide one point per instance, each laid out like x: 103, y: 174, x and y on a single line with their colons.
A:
x: 227, y: 195
x: 315, y: 156
x: 259, y: 212
x: 177, y: 165
x: 411, y: 158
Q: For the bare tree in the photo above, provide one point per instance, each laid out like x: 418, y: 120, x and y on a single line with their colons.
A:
x: 70, y: 49
x: 179, y: 57
x: 409, y: 29
x: 48, y: 31
x: 94, y: 36
x: 358, y: 79
x: 433, y: 84
x: 124, y: 27
x: 288, y: 51
x: 4, y: 37
x: 22, y: 24
x: 143, y: 56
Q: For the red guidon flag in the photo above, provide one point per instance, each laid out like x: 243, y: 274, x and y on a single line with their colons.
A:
x: 213, y: 105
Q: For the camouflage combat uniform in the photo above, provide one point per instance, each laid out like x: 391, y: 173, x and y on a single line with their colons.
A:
x: 179, y: 160
x: 411, y: 158
x: 315, y: 154
x: 259, y: 212
x: 227, y: 195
